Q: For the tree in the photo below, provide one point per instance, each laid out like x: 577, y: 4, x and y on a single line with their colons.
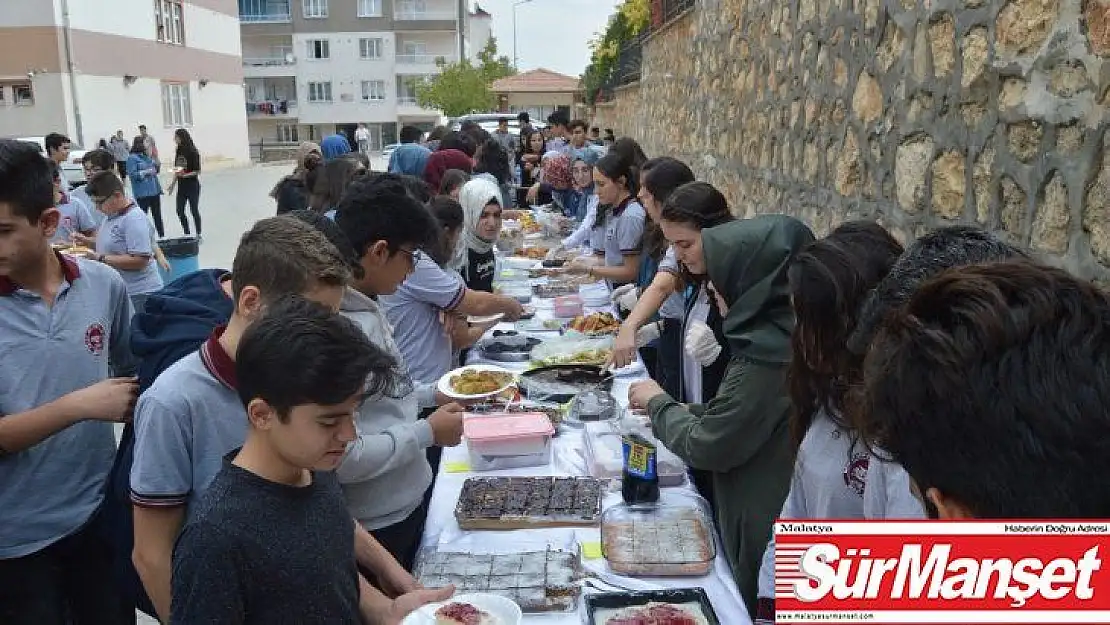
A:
x: 631, y: 17
x: 464, y: 87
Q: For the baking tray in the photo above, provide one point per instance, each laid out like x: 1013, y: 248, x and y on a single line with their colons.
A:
x: 527, y: 577
x: 591, y: 376
x: 671, y: 539
x: 597, y: 604
x: 505, y: 503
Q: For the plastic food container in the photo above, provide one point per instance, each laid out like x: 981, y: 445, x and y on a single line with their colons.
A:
x: 520, y: 291
x: 568, y: 306
x: 605, y: 459
x: 512, y: 434
x: 673, y: 538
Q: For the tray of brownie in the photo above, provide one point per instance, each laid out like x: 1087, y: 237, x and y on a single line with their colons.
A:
x: 538, y: 579
x: 504, y: 503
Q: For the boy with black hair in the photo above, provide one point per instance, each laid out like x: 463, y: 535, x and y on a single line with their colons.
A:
x: 991, y: 386
x: 61, y: 319
x: 126, y: 239
x: 182, y: 429
x: 558, y: 123
x: 271, y: 540
x: 386, y: 472
x: 580, y: 146
x: 57, y: 149
x: 94, y: 162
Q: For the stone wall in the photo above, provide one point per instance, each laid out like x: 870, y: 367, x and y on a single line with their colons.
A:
x: 919, y: 113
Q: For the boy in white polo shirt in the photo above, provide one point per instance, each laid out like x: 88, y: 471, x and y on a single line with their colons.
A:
x: 60, y: 320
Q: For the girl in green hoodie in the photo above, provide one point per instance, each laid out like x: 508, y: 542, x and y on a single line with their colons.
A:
x: 742, y: 435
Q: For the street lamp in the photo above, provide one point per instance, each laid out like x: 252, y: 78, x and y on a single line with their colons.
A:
x: 515, y: 5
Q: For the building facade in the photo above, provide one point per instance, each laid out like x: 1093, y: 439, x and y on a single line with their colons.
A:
x: 539, y: 92
x: 88, y: 68
x: 316, y: 67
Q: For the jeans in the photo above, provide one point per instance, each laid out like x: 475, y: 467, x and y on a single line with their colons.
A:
x: 152, y: 206
x: 188, y: 191
x: 68, y: 583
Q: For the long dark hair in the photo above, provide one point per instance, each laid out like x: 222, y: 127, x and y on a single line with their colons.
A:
x: 494, y: 161
x: 829, y: 280
x: 138, y: 146
x: 449, y: 213
x: 661, y: 176
x: 698, y: 205
x: 185, y: 143
x: 331, y: 182
x: 631, y: 151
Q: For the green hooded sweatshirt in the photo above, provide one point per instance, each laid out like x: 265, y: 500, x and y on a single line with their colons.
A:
x: 741, y: 435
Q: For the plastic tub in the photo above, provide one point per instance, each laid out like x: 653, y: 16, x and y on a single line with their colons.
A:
x: 183, y: 255
x: 569, y: 306
x: 674, y: 538
x: 513, y: 434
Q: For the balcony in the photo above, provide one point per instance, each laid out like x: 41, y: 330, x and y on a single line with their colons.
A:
x: 424, y: 59
x: 280, y: 62
x: 265, y: 12
x: 272, y: 109
x: 424, y: 15
x: 417, y: 15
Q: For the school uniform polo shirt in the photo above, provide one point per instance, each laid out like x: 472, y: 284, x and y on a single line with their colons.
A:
x: 185, y: 423
x: 50, y: 490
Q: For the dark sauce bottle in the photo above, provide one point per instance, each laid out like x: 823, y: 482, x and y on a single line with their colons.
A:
x: 639, y: 480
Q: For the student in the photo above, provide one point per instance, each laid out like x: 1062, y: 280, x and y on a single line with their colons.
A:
x: 57, y: 149
x: 362, y: 139
x: 452, y: 183
x: 989, y: 386
x: 181, y: 427
x: 58, y: 407
x: 93, y: 162
x: 386, y: 473
x: 829, y: 280
x: 410, y: 157
x: 742, y: 434
x: 75, y: 220
x: 145, y: 185
x: 586, y: 205
x: 443, y: 160
x: 580, y: 146
x: 558, y: 125
x: 302, y: 372
x: 662, y: 296
x: 925, y: 258
x: 292, y: 192
x: 415, y: 310
x: 186, y: 177
x: 124, y: 239
x: 335, y: 146
x: 616, y: 185
x: 507, y: 140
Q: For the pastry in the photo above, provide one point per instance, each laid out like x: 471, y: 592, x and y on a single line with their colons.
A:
x: 464, y: 614
x: 658, y: 546
x: 538, y: 581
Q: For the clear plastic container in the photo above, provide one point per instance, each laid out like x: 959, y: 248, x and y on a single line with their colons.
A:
x: 519, y: 434
x: 480, y: 462
x: 568, y: 306
x: 672, y: 538
x: 605, y: 459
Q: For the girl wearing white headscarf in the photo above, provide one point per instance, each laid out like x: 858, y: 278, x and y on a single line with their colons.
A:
x: 481, y: 202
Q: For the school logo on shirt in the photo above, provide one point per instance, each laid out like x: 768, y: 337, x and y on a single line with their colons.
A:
x: 94, y: 338
x: 855, y: 472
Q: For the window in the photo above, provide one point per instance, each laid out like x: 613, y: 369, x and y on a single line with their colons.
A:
x: 177, y: 110
x: 318, y: 49
x: 23, y: 95
x: 370, y: 48
x: 373, y: 90
x: 319, y: 91
x: 315, y: 8
x: 169, y: 21
x: 369, y: 8
x: 287, y: 133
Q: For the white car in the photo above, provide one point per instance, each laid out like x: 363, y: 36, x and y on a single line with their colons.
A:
x: 72, y: 169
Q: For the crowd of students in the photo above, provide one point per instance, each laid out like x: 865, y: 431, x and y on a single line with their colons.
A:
x: 284, y: 426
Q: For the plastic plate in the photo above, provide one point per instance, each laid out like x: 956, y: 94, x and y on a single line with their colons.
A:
x: 444, y: 384
x: 505, y: 611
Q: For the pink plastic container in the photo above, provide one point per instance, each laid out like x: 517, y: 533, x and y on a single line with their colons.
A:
x: 514, y: 434
x: 568, y: 306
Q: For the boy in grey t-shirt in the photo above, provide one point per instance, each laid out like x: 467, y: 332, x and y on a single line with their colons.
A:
x: 123, y: 241
x: 60, y: 321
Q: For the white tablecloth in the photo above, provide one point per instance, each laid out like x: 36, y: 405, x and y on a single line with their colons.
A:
x: 568, y: 459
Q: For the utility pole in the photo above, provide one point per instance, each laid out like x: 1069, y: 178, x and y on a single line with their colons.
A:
x: 515, y: 5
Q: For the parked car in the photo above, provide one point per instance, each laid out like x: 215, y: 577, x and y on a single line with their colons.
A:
x: 72, y: 169
x: 488, y: 121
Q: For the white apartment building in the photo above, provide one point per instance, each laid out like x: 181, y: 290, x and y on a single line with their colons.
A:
x: 87, y: 68
x: 316, y: 67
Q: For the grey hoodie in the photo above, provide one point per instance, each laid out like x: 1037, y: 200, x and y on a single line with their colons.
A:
x: 385, y: 472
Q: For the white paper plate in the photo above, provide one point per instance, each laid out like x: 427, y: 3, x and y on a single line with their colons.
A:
x: 505, y: 611
x: 444, y: 384
x: 486, y: 319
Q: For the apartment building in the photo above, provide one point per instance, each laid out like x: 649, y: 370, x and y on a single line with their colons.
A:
x: 90, y: 67
x: 316, y: 67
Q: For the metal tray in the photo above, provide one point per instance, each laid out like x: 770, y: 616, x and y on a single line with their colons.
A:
x: 531, y: 383
x: 598, y: 603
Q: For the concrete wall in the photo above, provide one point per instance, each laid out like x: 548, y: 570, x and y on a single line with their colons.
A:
x: 919, y: 113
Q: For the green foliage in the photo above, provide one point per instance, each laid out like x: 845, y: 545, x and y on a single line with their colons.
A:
x: 464, y: 87
x: 630, y: 19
